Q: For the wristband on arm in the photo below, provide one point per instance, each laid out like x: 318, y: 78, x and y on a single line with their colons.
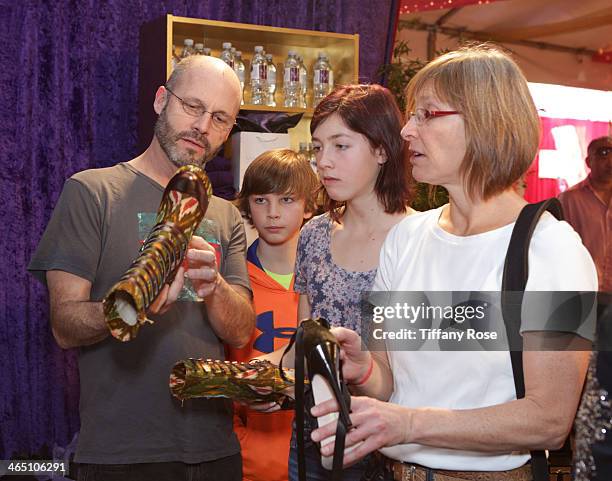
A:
x: 367, y: 375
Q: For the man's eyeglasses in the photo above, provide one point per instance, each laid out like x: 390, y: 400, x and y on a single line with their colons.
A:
x: 220, y: 121
x: 423, y: 115
x: 603, y: 151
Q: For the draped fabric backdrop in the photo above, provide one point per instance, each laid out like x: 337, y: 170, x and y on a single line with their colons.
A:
x: 68, y: 102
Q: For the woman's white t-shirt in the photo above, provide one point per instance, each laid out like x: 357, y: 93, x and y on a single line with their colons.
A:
x: 418, y: 255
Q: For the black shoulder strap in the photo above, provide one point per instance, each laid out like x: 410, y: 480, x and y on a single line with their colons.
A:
x: 516, y: 272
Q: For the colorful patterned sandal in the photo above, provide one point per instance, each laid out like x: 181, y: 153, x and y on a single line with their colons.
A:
x: 181, y: 210
x: 247, y: 382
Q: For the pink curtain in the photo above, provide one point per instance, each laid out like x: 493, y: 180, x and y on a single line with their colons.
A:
x: 540, y: 189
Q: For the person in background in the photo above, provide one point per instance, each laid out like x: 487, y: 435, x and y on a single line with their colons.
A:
x: 131, y: 427
x: 277, y: 196
x: 362, y: 165
x: 587, y: 206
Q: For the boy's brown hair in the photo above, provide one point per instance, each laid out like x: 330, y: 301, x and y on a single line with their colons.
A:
x: 278, y: 171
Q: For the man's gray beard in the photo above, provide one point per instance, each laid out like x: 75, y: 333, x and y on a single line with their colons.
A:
x: 166, y: 136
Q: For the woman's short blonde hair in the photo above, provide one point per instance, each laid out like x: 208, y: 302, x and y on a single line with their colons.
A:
x: 502, y: 126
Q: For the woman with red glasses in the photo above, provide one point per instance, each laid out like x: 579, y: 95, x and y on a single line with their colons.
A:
x: 454, y: 414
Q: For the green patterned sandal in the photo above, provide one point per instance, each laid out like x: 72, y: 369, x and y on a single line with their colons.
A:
x: 247, y: 382
x: 181, y: 210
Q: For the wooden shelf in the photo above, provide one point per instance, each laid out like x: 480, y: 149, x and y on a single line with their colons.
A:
x: 343, y: 49
x: 247, y: 32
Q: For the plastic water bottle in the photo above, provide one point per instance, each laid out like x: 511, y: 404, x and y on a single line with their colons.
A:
x: 303, y: 83
x: 187, y: 48
x: 331, y: 73
x: 291, y: 81
x: 239, y: 68
x: 199, y: 49
x: 259, y: 77
x: 271, y: 80
x: 233, y: 52
x: 323, y: 78
x: 226, y: 54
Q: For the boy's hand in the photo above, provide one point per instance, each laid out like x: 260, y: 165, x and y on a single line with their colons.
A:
x: 270, y: 407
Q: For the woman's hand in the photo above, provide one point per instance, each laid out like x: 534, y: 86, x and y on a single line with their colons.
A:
x: 376, y: 424
x: 355, y: 362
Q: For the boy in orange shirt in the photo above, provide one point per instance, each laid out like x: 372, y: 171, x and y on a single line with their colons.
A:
x: 277, y: 196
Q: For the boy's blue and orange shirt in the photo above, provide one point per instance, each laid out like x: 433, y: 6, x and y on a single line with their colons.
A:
x: 275, y: 310
x: 265, y: 437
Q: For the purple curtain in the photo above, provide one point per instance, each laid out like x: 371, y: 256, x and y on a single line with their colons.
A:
x: 68, y: 102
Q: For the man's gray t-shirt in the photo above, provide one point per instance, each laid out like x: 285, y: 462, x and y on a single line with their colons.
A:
x: 127, y: 412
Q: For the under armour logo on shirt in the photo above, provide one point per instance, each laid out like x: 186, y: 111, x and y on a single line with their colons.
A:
x: 265, y: 341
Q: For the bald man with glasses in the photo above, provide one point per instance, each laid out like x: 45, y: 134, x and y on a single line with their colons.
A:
x: 131, y: 427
